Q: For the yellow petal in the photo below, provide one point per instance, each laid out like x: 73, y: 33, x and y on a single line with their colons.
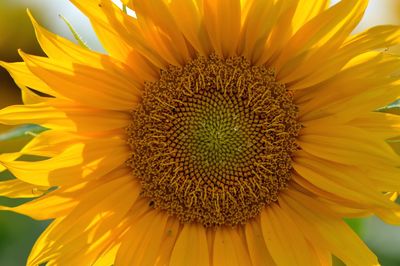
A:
x: 319, y: 39
x: 130, y: 47
x: 389, y: 216
x: 228, y: 25
x: 282, y: 236
x: 62, y: 200
x: 49, y: 206
x: 30, y: 97
x: 369, y: 74
x: 192, y: 235
x: 229, y: 248
x: 347, y: 145
x: 64, y: 115
x: 15, y: 188
x: 307, y: 10
x: 87, y: 228
x: 173, y: 230
x: 142, y: 242
x: 85, y: 160
x: 157, y: 12
x: 8, y: 157
x: 109, y: 88
x: 24, y: 77
x: 372, y: 39
x: 61, y: 49
x: 341, y: 182
x: 107, y: 258
x: 260, y: 19
x: 383, y: 177
x: 327, y: 231
x: 210, y: 11
x: 356, y: 106
x: 50, y: 143
x: 189, y: 21
x: 324, y: 255
x: 42, y: 241
x: 382, y: 125
x: 223, y: 25
x: 332, y: 207
x: 259, y: 253
x: 370, y: 70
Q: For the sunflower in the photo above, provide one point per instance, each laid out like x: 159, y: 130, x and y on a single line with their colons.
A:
x: 213, y: 132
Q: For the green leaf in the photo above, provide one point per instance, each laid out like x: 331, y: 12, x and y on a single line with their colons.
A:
x: 357, y: 224
x: 12, y: 140
x: 393, y: 108
x: 21, y: 131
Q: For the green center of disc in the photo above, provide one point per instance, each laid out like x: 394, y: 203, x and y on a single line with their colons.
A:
x: 215, y: 129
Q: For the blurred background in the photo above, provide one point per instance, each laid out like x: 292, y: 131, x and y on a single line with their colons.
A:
x: 18, y: 233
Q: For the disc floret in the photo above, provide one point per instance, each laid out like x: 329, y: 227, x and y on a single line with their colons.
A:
x: 212, y: 141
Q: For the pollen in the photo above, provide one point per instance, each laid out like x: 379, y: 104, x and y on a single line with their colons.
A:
x: 212, y: 141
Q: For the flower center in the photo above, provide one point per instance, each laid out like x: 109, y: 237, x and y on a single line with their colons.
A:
x: 212, y: 141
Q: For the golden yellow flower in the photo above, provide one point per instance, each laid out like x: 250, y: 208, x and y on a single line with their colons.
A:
x: 214, y: 132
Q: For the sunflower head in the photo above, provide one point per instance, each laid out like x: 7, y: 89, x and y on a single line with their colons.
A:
x: 212, y: 141
x: 212, y: 132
